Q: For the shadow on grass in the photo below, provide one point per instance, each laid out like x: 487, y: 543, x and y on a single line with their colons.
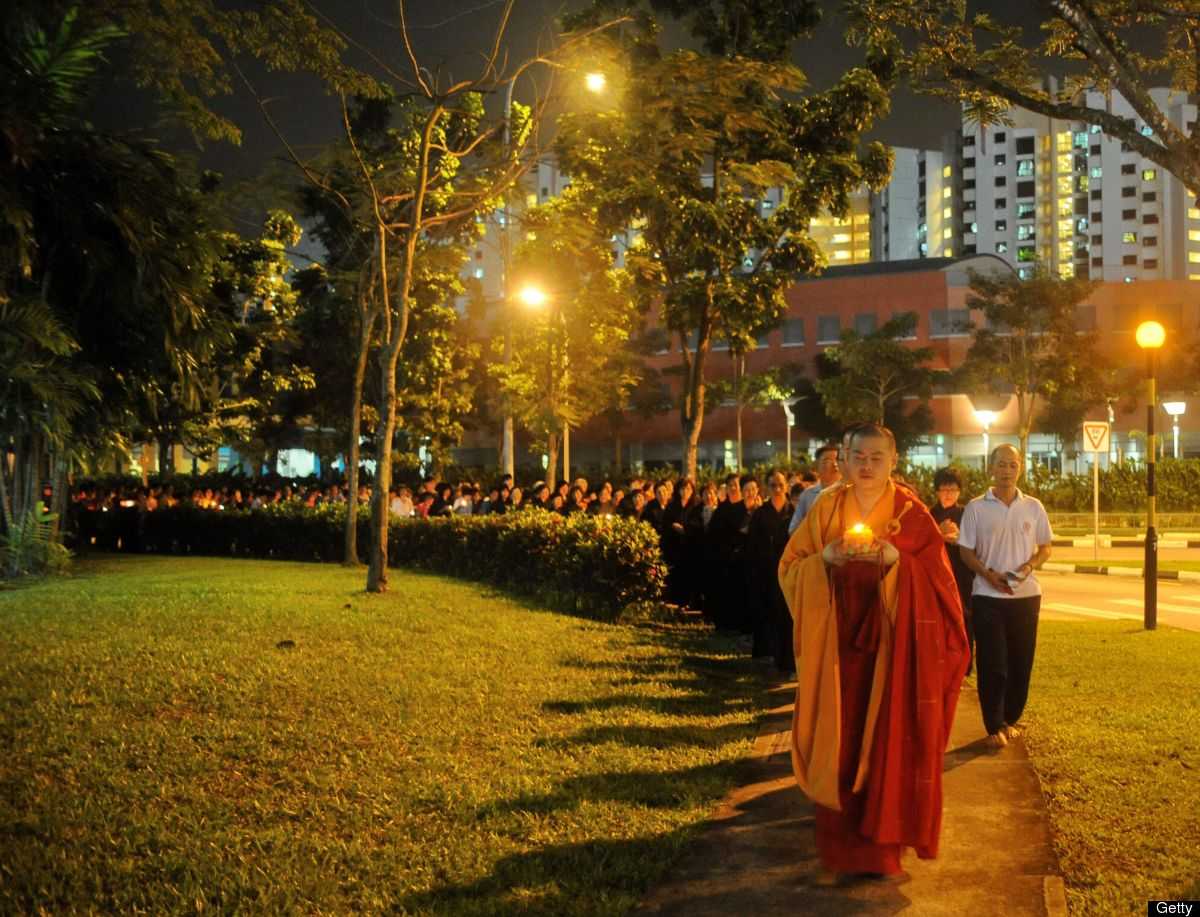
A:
x: 558, y: 879
x: 651, y: 736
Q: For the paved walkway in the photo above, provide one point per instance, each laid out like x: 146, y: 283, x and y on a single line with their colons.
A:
x: 757, y: 857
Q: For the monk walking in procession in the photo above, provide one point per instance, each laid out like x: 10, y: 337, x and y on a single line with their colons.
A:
x: 881, y: 651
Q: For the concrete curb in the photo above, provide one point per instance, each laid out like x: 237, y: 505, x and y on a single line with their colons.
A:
x: 1054, y: 896
x: 1187, y: 576
x: 1107, y: 541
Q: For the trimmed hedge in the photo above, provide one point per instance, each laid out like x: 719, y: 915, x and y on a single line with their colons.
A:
x: 1122, y: 487
x: 595, y: 563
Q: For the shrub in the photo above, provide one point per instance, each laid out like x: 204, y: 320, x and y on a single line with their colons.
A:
x: 595, y: 563
x: 30, y: 548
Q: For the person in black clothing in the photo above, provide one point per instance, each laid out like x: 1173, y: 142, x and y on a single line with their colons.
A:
x: 701, y: 569
x: 767, y: 539
x: 947, y: 512
x: 673, y: 541
x: 655, y: 512
x: 727, y: 532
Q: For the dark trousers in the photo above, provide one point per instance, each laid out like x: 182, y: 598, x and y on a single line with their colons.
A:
x: 1005, y: 639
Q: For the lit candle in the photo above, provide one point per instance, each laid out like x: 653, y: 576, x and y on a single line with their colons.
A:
x: 858, y: 539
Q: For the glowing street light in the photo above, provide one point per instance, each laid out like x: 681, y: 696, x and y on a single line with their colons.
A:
x: 986, y: 419
x: 596, y: 82
x: 532, y: 296
x: 1150, y: 337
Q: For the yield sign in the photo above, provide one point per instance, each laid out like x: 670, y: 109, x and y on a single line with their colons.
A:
x: 1095, y: 436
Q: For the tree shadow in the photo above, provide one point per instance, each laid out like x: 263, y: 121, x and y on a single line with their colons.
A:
x: 557, y: 879
x: 661, y: 737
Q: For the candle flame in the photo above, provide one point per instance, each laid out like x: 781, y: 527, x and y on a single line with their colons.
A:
x: 858, y: 528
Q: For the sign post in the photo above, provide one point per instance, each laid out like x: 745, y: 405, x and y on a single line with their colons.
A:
x: 1095, y: 441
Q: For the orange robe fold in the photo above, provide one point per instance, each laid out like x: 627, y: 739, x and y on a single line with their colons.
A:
x: 920, y: 656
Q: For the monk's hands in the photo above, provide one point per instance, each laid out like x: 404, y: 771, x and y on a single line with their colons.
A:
x: 949, y: 531
x: 835, y: 554
x: 888, y: 553
x: 882, y: 552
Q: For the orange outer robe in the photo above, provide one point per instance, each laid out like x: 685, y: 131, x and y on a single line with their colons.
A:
x: 920, y: 663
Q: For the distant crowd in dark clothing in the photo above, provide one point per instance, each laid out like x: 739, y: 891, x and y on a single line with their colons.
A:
x: 721, y: 542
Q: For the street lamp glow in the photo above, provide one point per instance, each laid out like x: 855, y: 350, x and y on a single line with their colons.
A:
x: 533, y: 297
x: 595, y: 82
x: 1150, y: 335
x: 986, y: 419
x: 1175, y: 408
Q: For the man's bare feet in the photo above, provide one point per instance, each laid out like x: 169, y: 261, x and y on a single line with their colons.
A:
x: 1011, y: 732
x: 997, y: 740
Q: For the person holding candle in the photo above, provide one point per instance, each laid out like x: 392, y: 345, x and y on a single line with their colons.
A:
x: 881, y: 652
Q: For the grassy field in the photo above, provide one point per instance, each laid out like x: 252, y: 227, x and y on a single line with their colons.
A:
x: 181, y: 735
x: 1114, y: 734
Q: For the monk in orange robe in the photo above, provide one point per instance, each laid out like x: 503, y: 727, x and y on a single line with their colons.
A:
x: 881, y: 651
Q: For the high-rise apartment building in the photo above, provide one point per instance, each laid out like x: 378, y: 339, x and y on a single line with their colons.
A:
x: 846, y: 240
x: 1045, y: 190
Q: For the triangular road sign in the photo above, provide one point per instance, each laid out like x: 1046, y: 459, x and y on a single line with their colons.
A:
x: 1095, y: 436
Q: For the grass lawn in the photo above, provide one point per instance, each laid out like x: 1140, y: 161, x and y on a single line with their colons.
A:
x: 1114, y: 733
x: 181, y: 734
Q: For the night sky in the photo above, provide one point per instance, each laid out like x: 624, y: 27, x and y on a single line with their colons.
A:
x: 451, y: 34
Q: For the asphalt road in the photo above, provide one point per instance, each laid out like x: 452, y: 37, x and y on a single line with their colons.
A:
x: 1078, y: 596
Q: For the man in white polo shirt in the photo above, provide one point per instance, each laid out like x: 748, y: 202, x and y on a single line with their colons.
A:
x: 1004, y: 536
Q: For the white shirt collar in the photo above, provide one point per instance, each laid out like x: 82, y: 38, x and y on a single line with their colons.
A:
x: 991, y: 495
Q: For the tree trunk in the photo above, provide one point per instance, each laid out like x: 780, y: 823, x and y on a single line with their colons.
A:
x: 350, y: 536
x: 377, y: 578
x: 552, y: 465
x: 58, y: 498
x: 617, y: 453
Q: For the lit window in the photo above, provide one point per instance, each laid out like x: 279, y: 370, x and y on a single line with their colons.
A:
x: 947, y: 212
x: 1024, y: 166
x: 947, y: 232
x: 1095, y: 128
x: 1194, y: 257
x: 1129, y: 280
x: 1081, y: 139
x: 1147, y: 131
x: 1129, y: 237
x: 840, y: 238
x: 1194, y: 235
x: 1097, y: 172
x: 974, y: 227
x: 946, y: 192
x: 1001, y: 248
x: 1149, y: 174
x: 1194, y: 213
x: 946, y: 172
x: 841, y: 255
x: 947, y: 252
x: 479, y: 273
x: 1193, y: 276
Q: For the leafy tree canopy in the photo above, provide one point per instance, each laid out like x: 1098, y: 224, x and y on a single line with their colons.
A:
x: 1126, y: 46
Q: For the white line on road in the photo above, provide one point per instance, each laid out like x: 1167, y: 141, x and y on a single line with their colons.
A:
x: 1090, y: 612
x: 1166, y: 606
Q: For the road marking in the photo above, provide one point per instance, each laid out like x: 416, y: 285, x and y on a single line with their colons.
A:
x: 1090, y: 612
x: 1165, y: 606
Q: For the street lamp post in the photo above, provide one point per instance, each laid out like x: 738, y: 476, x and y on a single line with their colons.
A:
x: 596, y: 82
x: 1176, y: 410
x: 986, y: 418
x: 535, y: 298
x: 1150, y: 337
